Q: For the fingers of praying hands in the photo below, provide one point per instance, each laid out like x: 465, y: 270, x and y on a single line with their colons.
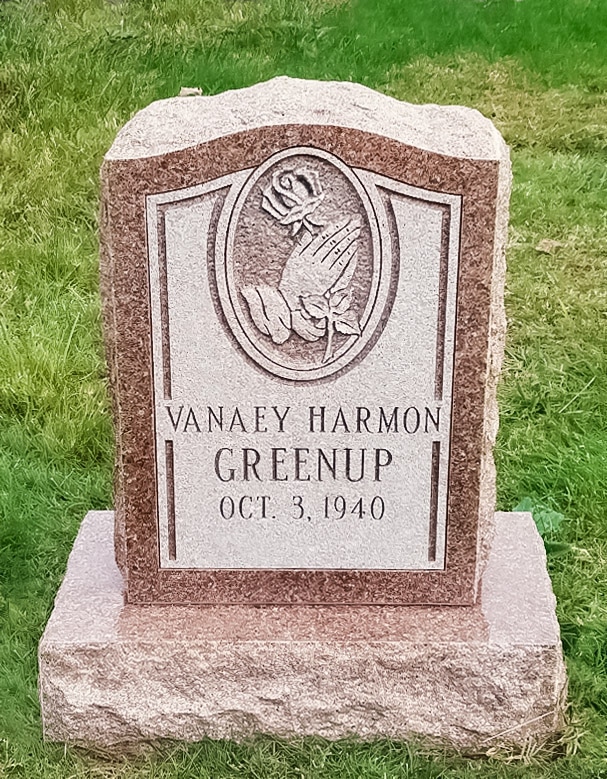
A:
x: 316, y: 268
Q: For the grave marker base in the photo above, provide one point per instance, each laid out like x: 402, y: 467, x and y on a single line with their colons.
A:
x: 469, y: 676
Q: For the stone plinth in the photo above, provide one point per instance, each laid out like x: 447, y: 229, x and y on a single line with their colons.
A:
x: 472, y: 676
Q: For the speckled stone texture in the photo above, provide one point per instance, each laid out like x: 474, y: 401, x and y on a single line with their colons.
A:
x: 186, y: 142
x: 473, y: 677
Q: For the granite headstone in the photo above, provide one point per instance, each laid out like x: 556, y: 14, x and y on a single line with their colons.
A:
x: 305, y: 312
x: 303, y: 304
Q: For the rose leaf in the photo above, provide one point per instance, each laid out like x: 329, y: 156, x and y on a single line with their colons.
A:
x: 347, y: 323
x: 340, y: 301
x: 272, y: 205
x: 316, y: 306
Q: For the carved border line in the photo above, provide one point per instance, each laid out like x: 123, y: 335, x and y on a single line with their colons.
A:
x: 434, y: 485
x: 170, y: 483
x: 439, y: 371
x: 441, y: 325
x: 439, y: 379
x: 164, y: 304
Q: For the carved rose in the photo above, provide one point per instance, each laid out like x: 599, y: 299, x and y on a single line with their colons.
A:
x: 292, y: 197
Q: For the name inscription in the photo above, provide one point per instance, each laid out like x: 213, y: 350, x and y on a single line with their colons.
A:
x: 301, y: 463
x: 264, y: 419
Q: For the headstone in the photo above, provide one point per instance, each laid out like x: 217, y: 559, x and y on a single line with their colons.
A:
x: 306, y: 323
x: 303, y: 300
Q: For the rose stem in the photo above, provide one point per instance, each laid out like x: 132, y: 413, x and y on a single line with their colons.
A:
x: 329, y: 349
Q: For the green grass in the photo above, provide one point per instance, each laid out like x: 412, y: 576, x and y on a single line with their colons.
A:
x: 71, y: 73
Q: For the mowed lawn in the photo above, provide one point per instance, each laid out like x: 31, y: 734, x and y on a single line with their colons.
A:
x: 71, y: 73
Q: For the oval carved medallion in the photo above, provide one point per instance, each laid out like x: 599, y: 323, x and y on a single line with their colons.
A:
x: 302, y: 277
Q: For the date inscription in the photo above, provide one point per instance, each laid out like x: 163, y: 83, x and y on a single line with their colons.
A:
x: 327, y: 507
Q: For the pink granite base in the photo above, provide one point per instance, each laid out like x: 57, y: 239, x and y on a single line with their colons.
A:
x: 470, y: 676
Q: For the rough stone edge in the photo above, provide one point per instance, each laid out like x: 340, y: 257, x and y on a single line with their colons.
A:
x: 86, y: 699
x: 495, y: 356
x: 108, y: 312
x: 179, y: 123
x: 238, y: 694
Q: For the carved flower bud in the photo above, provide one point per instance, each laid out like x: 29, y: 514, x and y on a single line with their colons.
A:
x: 292, y: 196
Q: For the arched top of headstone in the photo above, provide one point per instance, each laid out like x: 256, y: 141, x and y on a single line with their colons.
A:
x: 181, y: 123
